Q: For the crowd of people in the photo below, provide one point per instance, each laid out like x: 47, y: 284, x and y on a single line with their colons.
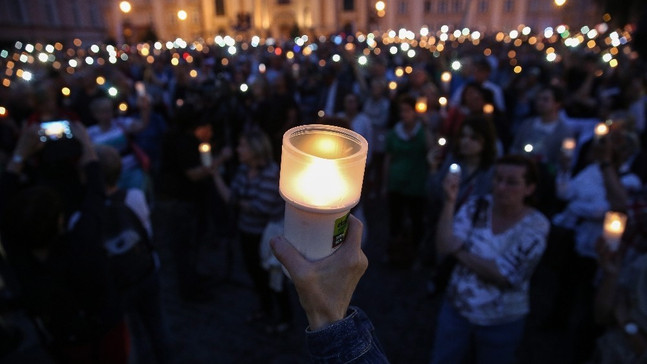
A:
x: 496, y: 180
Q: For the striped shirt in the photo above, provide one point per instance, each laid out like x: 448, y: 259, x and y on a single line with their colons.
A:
x: 262, y: 194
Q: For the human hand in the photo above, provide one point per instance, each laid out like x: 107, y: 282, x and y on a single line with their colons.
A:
x: 610, y: 261
x: 325, y: 286
x: 81, y: 134
x: 451, y: 184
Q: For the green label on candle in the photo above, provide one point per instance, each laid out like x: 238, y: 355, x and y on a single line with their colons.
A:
x: 341, y: 228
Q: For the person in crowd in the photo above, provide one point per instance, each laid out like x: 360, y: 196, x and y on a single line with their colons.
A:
x: 337, y: 332
x: 254, y: 195
x: 189, y: 194
x: 59, y: 262
x: 404, y: 171
x: 135, y: 264
x: 118, y: 132
x: 481, y: 71
x: 378, y: 108
x: 474, y: 152
x: 497, y: 243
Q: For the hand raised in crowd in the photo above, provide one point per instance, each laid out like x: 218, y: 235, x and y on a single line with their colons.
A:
x: 325, y: 286
x: 451, y: 185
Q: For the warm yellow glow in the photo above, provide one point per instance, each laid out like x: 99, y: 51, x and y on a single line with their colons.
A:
x: 125, y: 7
x: 182, y: 15
x: 442, y: 101
x: 488, y: 108
x: 408, y: 69
x: 321, y: 184
x: 393, y: 85
x: 3, y: 111
x: 568, y: 144
x: 205, y: 148
x: 65, y: 91
x: 399, y: 72
x: 380, y: 6
x: 193, y: 73
x: 517, y: 69
x: 123, y: 107
x: 560, y: 2
x: 446, y: 76
x: 421, y: 105
x: 101, y: 80
x: 601, y: 130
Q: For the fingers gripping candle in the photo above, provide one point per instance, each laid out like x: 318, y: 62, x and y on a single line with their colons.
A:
x: 322, y: 168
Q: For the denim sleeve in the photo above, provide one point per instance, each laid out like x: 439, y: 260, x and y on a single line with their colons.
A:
x: 351, y: 340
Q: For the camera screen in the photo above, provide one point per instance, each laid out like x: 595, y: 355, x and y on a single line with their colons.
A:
x: 54, y: 130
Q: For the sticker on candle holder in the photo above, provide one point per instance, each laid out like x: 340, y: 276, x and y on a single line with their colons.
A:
x: 322, y: 169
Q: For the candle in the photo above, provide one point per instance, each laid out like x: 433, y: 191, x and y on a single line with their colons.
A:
x: 442, y: 141
x: 601, y: 130
x: 442, y: 101
x: 488, y: 109
x: 446, y: 78
x: 322, y: 169
x: 614, y: 227
x: 568, y: 147
x: 421, y: 105
x: 205, y: 154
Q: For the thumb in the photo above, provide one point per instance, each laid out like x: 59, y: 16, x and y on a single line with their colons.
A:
x: 287, y: 254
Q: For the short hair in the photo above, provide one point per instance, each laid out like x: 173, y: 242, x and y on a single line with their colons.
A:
x: 110, y: 163
x: 531, y: 174
x: 408, y: 100
x: 556, y: 91
x: 260, y: 145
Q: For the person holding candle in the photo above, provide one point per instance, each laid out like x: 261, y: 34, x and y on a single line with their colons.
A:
x: 188, y: 195
x: 405, y: 174
x: 254, y: 195
x: 497, y: 246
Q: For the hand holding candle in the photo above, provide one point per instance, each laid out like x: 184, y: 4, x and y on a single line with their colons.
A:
x: 614, y: 227
x: 601, y: 129
x: 205, y: 154
x: 568, y: 147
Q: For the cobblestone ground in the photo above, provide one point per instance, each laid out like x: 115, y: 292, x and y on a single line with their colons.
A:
x: 215, y: 332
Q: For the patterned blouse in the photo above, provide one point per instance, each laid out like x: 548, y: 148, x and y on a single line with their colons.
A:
x: 515, y: 251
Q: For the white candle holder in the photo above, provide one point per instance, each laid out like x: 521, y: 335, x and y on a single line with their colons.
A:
x: 322, y: 169
x: 205, y: 154
x: 614, y: 227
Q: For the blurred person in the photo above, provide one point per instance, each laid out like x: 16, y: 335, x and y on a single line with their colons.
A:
x: 254, y: 195
x: 378, y: 108
x: 84, y: 93
x: 337, y: 332
x: 59, y: 262
x: 188, y: 192
x: 497, y: 244
x: 404, y: 174
x: 118, y: 132
x: 135, y: 264
x: 474, y: 152
x: 481, y: 71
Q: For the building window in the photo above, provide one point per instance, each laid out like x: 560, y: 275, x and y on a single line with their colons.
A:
x: 220, y: 7
x: 508, y: 6
x: 402, y: 8
x: 349, y: 5
x: 442, y: 6
x: 456, y: 6
x: 428, y: 6
x: 483, y: 6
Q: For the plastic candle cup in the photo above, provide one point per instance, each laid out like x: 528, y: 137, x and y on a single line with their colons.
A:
x: 614, y: 227
x: 322, y: 169
x: 205, y: 154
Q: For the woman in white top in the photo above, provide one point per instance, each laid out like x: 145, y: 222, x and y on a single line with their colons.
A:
x: 497, y: 241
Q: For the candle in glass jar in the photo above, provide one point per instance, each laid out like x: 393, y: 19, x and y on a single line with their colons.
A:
x: 205, y: 154
x: 614, y: 227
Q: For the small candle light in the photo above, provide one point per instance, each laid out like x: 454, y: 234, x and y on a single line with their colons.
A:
x: 442, y: 101
x: 442, y: 141
x: 446, y: 78
x: 528, y: 148
x: 601, y: 130
x: 568, y: 147
x: 421, y: 105
x: 322, y: 168
x: 614, y: 227
x: 205, y: 154
x: 488, y: 109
